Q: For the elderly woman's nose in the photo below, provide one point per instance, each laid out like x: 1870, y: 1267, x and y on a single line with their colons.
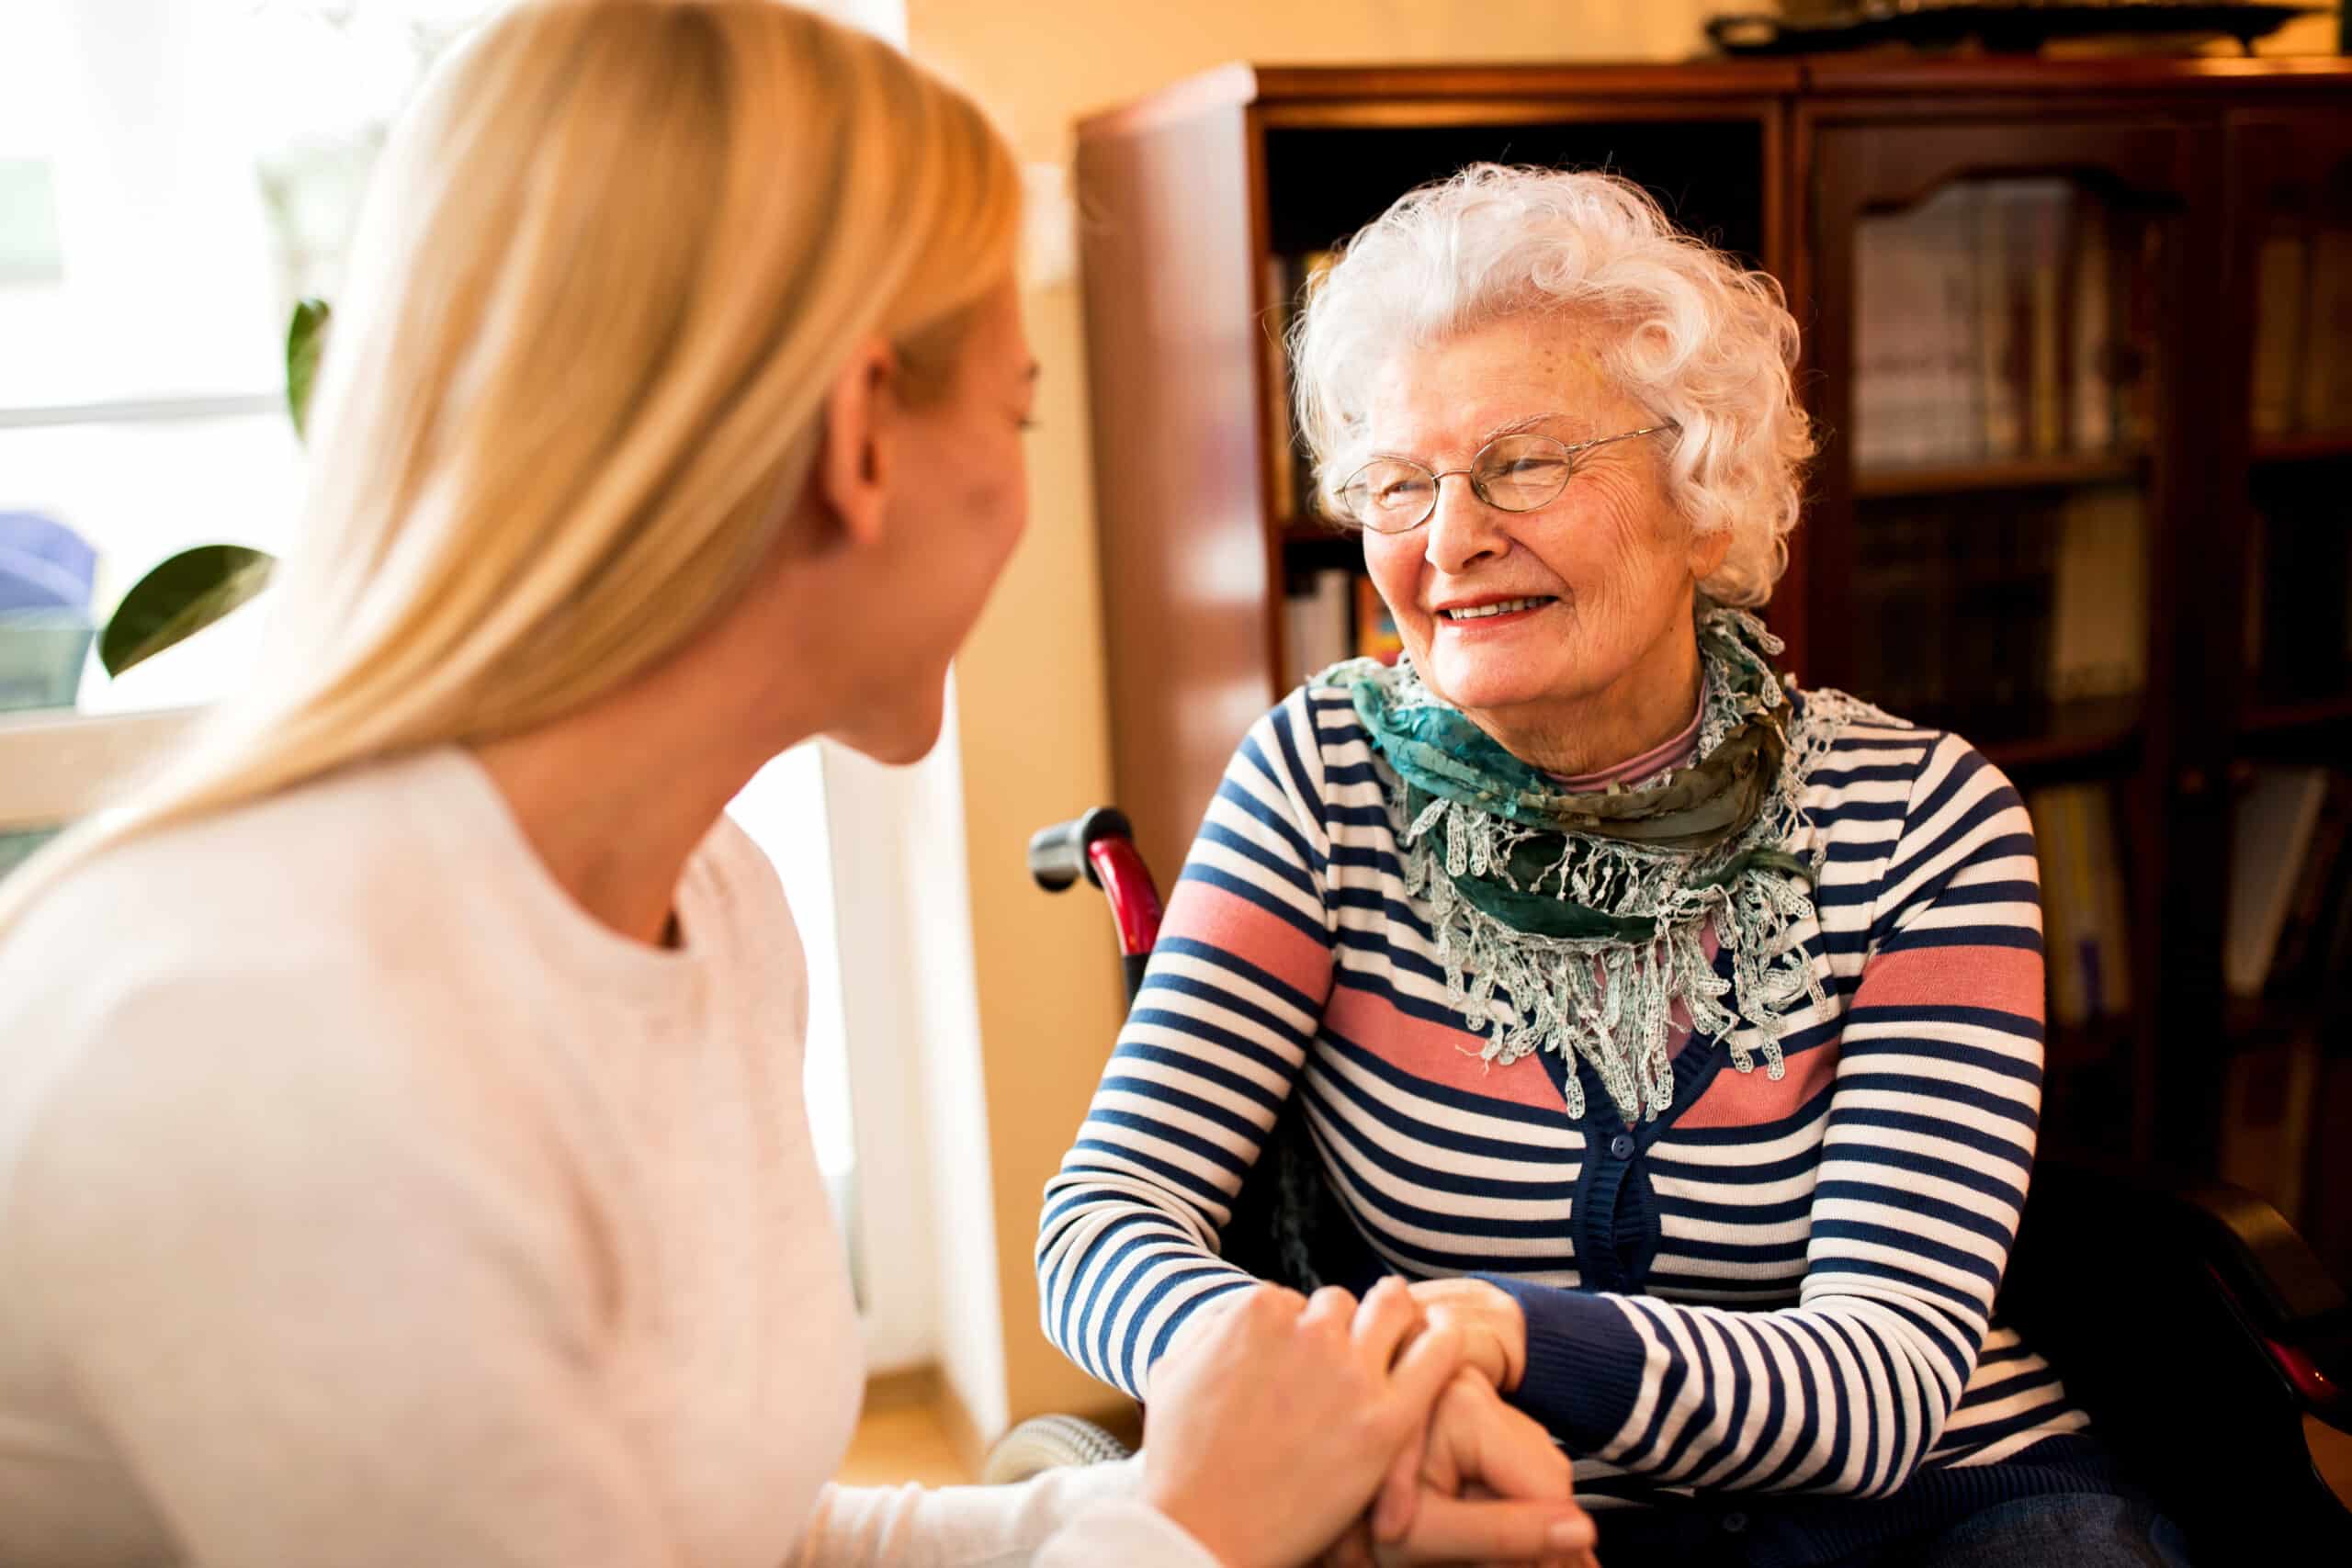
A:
x: 1462, y: 530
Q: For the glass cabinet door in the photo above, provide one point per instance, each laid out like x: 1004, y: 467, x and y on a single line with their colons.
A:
x: 2286, y: 938
x: 2000, y: 366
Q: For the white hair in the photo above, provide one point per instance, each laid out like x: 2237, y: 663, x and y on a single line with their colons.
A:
x: 1698, y: 340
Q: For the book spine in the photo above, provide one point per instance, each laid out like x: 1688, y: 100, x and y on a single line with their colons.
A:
x: 2280, y: 272
x: 1282, y: 463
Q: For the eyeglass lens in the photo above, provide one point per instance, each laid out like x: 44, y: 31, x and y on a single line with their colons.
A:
x: 1516, y: 473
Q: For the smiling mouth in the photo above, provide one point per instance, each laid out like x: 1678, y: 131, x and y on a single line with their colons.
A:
x: 1503, y: 607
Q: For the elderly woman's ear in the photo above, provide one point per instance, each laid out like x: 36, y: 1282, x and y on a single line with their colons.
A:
x: 1709, y: 547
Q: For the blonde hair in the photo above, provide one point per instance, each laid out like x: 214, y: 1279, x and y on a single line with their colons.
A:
x: 1694, y: 337
x: 609, y: 264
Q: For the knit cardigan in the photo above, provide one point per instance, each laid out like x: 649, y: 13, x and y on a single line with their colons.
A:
x: 1771, y: 1308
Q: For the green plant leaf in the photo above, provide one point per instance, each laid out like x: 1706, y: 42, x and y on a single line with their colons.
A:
x: 305, y: 336
x: 179, y: 598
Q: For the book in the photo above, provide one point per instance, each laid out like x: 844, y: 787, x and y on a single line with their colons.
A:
x: 2139, y: 316
x: 2091, y: 419
x: 1952, y: 417
x: 2279, y: 273
x: 2085, y: 934
x: 1282, y: 466
x: 1882, y: 388
x: 2276, y: 818
x: 2110, y: 989
x: 2303, y: 935
x: 1376, y: 629
x: 1319, y: 623
x: 2003, y: 417
x: 2326, y: 404
x: 2048, y: 208
x: 2054, y: 829
x: 2098, y: 633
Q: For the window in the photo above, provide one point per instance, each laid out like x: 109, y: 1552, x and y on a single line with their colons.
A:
x: 174, y: 176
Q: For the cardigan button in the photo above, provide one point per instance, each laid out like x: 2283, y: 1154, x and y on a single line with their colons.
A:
x: 1621, y: 1146
x: 1735, y: 1522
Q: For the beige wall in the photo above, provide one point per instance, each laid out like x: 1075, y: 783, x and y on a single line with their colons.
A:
x: 1031, y: 684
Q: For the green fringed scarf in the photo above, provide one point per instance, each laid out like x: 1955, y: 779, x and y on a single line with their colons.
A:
x: 1575, y: 922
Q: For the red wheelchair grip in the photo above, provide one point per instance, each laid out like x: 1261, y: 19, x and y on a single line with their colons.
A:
x: 1126, y: 882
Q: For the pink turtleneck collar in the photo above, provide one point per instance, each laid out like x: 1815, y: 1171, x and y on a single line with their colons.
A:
x: 1669, y: 752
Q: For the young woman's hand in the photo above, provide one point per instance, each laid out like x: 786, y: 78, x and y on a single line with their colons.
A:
x: 1493, y: 1329
x: 1271, y: 1427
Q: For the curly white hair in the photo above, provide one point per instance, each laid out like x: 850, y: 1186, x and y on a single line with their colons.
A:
x: 1692, y: 336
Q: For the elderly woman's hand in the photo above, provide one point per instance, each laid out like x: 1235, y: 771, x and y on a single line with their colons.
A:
x: 1490, y: 1487
x: 1492, y: 1327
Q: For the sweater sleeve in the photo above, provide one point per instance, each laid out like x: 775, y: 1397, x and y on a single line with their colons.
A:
x: 1921, y: 1177
x: 1064, y: 1519
x: 317, y: 1322
x: 1127, y: 1245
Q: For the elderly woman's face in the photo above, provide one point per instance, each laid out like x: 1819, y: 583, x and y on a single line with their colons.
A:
x: 1606, y: 571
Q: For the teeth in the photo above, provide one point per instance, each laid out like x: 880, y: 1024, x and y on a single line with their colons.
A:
x: 1504, y: 608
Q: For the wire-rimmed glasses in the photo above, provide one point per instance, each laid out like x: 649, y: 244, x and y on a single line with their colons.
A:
x: 1512, y: 473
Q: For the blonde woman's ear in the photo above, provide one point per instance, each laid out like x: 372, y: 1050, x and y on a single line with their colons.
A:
x: 855, y: 463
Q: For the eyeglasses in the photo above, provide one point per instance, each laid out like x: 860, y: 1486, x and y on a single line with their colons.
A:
x: 1512, y: 473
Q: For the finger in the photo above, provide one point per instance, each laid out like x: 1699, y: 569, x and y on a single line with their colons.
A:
x: 1515, y: 1456
x: 1400, y: 1493
x: 1428, y: 1365
x: 1352, y: 1549
x: 1328, y: 1308
x: 1389, y: 1314
x: 1277, y: 1301
x: 1450, y: 1529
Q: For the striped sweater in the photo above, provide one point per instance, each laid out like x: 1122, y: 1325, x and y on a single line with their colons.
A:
x: 1779, y: 1286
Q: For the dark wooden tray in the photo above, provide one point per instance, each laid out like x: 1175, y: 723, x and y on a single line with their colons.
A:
x: 2018, y: 27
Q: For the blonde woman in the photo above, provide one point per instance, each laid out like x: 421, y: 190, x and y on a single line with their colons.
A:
x: 401, y: 1157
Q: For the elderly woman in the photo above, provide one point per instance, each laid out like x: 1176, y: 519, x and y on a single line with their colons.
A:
x: 1677, y: 1030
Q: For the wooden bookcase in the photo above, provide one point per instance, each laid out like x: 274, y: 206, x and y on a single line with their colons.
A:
x: 2191, y: 168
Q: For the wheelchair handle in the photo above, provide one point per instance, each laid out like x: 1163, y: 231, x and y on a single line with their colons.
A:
x: 1100, y: 846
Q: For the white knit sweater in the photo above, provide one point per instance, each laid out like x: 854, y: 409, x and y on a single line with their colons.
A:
x: 364, y: 1203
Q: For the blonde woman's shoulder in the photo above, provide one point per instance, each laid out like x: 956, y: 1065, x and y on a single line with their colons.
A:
x: 322, y: 873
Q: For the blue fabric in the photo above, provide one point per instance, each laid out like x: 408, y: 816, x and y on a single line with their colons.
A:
x: 44, y: 565
x: 2075, y: 1530
x: 2065, y: 1502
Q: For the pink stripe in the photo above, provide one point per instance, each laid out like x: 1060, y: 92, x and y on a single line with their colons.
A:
x: 2007, y: 979
x: 1734, y: 1098
x: 1200, y: 912
x: 1434, y: 1053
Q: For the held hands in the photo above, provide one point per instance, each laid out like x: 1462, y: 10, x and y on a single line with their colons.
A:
x: 1274, y: 1423
x: 1492, y: 1488
x: 1489, y: 1319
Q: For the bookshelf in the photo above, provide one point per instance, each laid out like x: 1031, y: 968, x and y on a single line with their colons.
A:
x: 2052, y: 511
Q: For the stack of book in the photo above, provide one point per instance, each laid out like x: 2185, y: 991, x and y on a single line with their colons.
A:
x: 2002, y: 604
x: 2302, y: 337
x: 2002, y: 320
